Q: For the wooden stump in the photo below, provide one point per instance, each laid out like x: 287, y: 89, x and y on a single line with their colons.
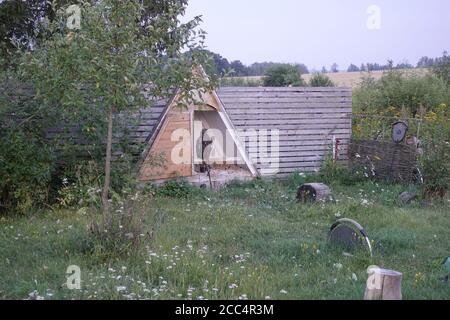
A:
x: 313, y: 192
x: 384, y: 284
x: 407, y: 197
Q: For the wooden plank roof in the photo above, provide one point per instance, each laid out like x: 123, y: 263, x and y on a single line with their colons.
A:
x: 307, y: 119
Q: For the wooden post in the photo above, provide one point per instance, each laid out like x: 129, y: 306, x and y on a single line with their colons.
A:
x: 313, y: 192
x: 106, y: 213
x: 383, y: 284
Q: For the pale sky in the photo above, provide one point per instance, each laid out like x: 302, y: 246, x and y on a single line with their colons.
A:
x: 321, y: 32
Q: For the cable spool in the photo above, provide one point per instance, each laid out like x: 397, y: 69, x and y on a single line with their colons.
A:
x: 348, y: 233
x: 399, y: 131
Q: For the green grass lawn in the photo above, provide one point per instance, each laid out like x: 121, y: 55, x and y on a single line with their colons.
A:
x: 246, y: 241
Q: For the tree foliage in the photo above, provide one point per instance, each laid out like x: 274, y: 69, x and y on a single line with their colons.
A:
x: 441, y: 68
x: 221, y: 67
x: 320, y: 80
x: 397, y: 90
x: 353, y: 68
x: 109, y: 68
x: 283, y: 76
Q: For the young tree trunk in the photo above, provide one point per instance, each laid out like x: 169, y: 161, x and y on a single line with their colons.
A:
x: 105, y: 202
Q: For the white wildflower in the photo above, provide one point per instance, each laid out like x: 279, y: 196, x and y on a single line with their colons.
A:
x: 338, y: 266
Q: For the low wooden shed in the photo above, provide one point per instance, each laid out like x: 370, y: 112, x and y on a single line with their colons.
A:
x: 241, y: 133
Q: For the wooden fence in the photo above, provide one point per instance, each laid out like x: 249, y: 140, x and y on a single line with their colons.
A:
x: 384, y: 160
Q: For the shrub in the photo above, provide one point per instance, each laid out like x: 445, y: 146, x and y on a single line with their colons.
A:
x: 299, y: 178
x: 398, y: 90
x: 436, y: 171
x: 442, y: 68
x: 81, y: 186
x: 435, y: 162
x: 175, y: 189
x: 333, y: 171
x: 25, y: 169
x: 320, y: 80
x: 128, y: 226
x: 241, y: 82
x: 284, y: 75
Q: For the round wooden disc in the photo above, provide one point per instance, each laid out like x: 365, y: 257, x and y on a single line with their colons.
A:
x: 399, y: 130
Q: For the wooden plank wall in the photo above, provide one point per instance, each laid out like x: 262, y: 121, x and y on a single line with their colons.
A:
x: 159, y: 163
x: 307, y: 119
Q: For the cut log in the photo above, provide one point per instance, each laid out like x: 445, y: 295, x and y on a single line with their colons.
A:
x: 407, y: 197
x: 383, y: 284
x: 313, y: 192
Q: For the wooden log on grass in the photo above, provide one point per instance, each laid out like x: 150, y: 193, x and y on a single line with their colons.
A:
x: 313, y: 192
x: 383, y: 284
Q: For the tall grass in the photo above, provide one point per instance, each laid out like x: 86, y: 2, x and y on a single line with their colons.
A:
x: 249, y: 240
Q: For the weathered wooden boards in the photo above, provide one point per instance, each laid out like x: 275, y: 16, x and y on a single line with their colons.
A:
x: 383, y: 284
x: 294, y: 128
x: 137, y: 128
x: 313, y: 192
x: 172, y: 163
x: 307, y: 120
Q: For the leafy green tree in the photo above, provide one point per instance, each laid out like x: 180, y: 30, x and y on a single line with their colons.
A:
x: 320, y: 80
x: 238, y: 68
x: 352, y: 68
x: 217, y: 65
x: 302, y: 68
x: 404, y: 65
x: 284, y: 75
x: 425, y: 62
x: 260, y: 68
x: 334, y: 68
x: 22, y: 24
x: 101, y: 70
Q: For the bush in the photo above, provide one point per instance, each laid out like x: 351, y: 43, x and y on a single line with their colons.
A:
x: 297, y: 179
x: 241, y: 82
x: 175, y: 189
x: 129, y: 226
x: 81, y: 186
x: 436, y: 171
x: 442, y: 68
x: 284, y: 75
x: 320, y: 80
x: 435, y: 162
x: 25, y: 169
x: 334, y: 172
x: 398, y: 90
